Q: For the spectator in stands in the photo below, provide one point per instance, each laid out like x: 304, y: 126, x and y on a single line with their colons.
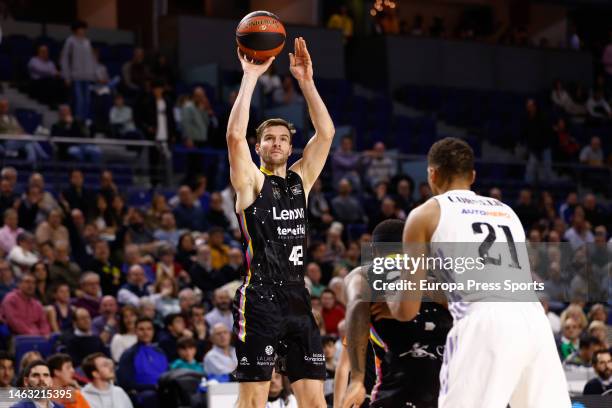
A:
x: 136, y: 231
x: 203, y: 275
x: 598, y: 108
x: 22, y: 256
x: 142, y: 364
x: 110, y: 275
x: 29, y: 212
x: 79, y: 68
x: 108, y: 188
x: 562, y: 100
x: 341, y: 20
x: 40, y: 271
x: 602, y: 363
x: 7, y: 279
x: 222, y: 312
x: 101, y: 392
x: 583, y: 356
x: 135, y: 72
x: 48, y: 202
x: 569, y: 340
x: 46, y: 81
x: 313, y: 273
x: 60, y: 313
x: 538, y: 137
x: 105, y: 324
x: 599, y: 330
x: 167, y: 230
x: 10, y: 231
x: 331, y: 311
x: 579, y: 234
x: 7, y: 375
x: 219, y: 251
x: 9, y: 199
x: 526, y: 209
x: 186, y: 348
x: 126, y: 337
x: 221, y: 359
x: 62, y: 378
x: 187, y: 214
x: 81, y: 341
x: 404, y: 192
x: 553, y: 318
x: 234, y: 269
x: 121, y: 118
x: 62, y: 269
x: 329, y: 351
x: 90, y: 294
x: 592, y: 154
x: 136, y: 287
x: 554, y: 286
x: 69, y: 126
x: 77, y: 195
x: 9, y: 125
x: 287, y: 94
x: 167, y: 266
x: 162, y: 70
x: 567, y: 147
x: 598, y: 313
x: 347, y: 209
x: 270, y: 82
x: 345, y: 163
x: 593, y: 212
x: 215, y: 216
x: 319, y: 209
x: 52, y: 229
x: 168, y: 338
x: 388, y: 210
x: 22, y: 312
x: 156, y: 120
x: 37, y: 376
x: 196, y: 117
x: 165, y: 296
x: 380, y: 167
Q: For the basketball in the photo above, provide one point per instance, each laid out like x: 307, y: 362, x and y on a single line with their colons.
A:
x: 260, y: 35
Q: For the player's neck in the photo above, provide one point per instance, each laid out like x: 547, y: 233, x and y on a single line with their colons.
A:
x: 272, y: 170
x: 455, y: 185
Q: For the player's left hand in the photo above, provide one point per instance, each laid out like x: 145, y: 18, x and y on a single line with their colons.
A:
x: 354, y: 396
x: 300, y: 63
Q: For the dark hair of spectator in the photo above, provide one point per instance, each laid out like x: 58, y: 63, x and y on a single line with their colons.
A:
x: 57, y: 361
x: 186, y: 342
x: 5, y: 355
x: 89, y: 364
x: 327, y: 290
x: 169, y: 320
x: 325, y: 340
x: 597, y: 354
x: 127, y: 308
x: 588, y: 341
x: 215, y: 230
x: 24, y: 236
x: 144, y: 319
x: 31, y: 366
x: 451, y: 157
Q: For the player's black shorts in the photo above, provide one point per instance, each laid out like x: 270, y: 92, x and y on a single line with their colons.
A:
x: 273, y: 323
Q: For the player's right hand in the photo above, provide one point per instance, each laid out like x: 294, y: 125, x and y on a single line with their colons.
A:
x: 249, y: 66
x: 354, y: 396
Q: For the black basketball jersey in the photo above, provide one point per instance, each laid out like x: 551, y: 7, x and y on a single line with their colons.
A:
x: 409, y: 354
x: 274, y: 231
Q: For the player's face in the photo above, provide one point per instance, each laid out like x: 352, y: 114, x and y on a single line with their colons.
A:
x: 275, y: 145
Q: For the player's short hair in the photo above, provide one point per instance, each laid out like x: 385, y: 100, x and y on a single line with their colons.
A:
x: 451, y: 157
x: 57, y: 361
x: 388, y: 231
x: 274, y: 122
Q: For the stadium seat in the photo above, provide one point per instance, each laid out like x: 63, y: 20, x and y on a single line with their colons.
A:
x: 6, y: 68
x: 44, y: 346
x: 28, y: 119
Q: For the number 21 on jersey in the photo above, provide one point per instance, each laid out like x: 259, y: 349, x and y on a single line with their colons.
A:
x: 297, y: 253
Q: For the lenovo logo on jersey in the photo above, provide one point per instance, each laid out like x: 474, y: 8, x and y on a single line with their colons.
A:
x: 288, y: 214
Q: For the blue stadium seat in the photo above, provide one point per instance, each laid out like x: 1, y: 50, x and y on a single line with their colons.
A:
x: 354, y: 231
x: 44, y: 346
x: 6, y: 68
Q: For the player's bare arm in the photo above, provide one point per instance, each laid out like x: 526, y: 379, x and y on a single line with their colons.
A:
x: 316, y: 151
x: 418, y: 230
x: 357, y: 334
x: 341, y: 377
x: 244, y: 174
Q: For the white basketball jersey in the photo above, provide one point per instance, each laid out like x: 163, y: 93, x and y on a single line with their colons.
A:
x: 488, y: 231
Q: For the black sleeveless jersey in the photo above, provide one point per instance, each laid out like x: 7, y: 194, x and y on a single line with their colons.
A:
x: 274, y: 231
x: 409, y: 354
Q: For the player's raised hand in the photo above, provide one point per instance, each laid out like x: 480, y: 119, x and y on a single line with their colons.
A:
x: 355, y: 395
x: 300, y: 63
x: 251, y: 66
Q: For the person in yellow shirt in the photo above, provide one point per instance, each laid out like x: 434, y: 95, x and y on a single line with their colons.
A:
x: 62, y: 376
x: 219, y: 252
x: 342, y: 21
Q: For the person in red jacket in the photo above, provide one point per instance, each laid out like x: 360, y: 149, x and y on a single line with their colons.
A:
x: 332, y: 311
x: 22, y: 312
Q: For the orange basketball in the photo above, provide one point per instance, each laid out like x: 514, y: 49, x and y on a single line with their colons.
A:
x: 260, y: 35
